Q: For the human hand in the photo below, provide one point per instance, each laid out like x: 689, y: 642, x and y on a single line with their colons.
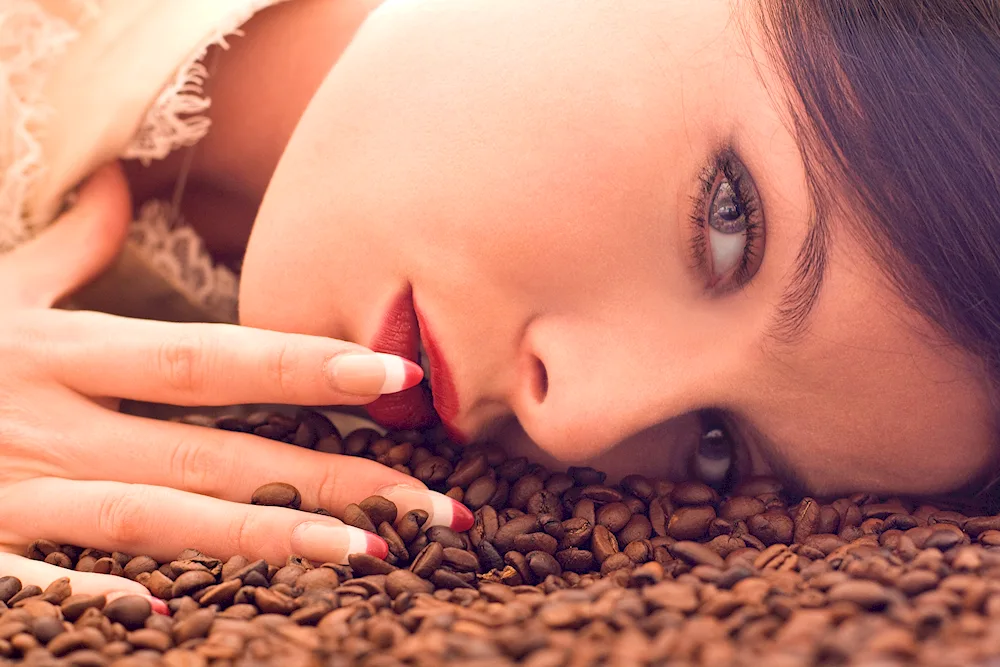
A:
x: 75, y: 471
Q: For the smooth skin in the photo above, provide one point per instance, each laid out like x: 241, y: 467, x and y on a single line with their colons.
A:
x: 529, y: 168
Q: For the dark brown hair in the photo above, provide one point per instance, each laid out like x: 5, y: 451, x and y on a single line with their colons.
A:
x: 896, y: 104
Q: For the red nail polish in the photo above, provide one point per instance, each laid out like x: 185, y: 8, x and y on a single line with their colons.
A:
x: 159, y: 606
x: 412, y: 374
x: 461, y: 517
x: 376, y: 546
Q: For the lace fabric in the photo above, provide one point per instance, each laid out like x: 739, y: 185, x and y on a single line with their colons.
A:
x: 32, y: 37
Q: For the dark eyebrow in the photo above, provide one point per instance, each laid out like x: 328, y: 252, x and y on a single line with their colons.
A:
x: 802, y: 292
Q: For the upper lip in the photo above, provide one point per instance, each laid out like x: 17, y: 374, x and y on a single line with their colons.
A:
x: 443, y: 391
x: 402, y: 330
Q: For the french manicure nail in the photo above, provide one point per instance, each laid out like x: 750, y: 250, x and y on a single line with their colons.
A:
x: 326, y: 541
x: 374, y: 373
x: 443, y: 511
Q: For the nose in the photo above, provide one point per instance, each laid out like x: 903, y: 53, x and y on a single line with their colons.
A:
x: 579, y: 393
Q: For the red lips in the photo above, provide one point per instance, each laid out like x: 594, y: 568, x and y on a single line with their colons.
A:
x: 400, y: 334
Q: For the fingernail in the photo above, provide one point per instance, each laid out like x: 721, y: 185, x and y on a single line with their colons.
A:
x: 443, y: 511
x: 325, y: 541
x: 158, y: 606
x: 370, y: 374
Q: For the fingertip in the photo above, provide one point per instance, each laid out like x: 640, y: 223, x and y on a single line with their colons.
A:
x: 462, y: 518
x: 376, y: 546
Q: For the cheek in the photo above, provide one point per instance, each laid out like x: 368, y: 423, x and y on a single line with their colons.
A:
x: 882, y: 423
x: 659, y: 452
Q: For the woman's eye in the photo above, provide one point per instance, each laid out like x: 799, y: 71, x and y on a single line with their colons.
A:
x: 714, y: 460
x: 727, y: 230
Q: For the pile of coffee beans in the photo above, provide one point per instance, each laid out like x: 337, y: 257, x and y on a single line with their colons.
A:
x: 560, y: 569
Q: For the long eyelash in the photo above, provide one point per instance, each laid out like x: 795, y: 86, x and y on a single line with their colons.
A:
x: 728, y: 164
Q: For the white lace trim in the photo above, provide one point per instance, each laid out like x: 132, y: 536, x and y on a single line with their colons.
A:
x: 160, y: 234
x: 176, y: 252
x: 173, y: 121
x: 30, y: 40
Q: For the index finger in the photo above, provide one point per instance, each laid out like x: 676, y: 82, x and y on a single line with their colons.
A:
x: 211, y: 364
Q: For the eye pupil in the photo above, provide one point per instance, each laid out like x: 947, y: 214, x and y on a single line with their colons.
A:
x: 713, y: 459
x: 725, y: 213
x: 730, y: 212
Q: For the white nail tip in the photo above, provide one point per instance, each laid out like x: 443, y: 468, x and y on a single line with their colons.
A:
x: 395, y: 373
x: 444, y: 509
x: 358, y: 543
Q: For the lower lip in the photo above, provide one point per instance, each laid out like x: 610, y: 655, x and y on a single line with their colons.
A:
x: 414, y: 408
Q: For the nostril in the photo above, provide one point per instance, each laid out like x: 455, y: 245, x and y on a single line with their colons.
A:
x: 540, y: 381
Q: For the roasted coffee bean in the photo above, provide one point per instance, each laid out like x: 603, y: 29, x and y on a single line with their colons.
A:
x: 523, y: 489
x: 741, y: 508
x: 428, y: 560
x: 543, y: 565
x: 379, y: 509
x: 613, y: 516
x: 480, y: 492
x: 691, y: 522
x: 535, y: 542
x: 396, y: 545
x: 520, y: 564
x: 603, y: 543
x: 829, y: 520
x: 576, y: 532
x: 130, y: 610
x: 404, y: 581
x: 138, y: 565
x: 468, y: 470
x: 355, y: 516
x: 544, y: 502
x: 637, y: 528
x: 616, y: 561
x: 364, y: 565
x: 409, y: 525
x: 485, y: 526
x: 460, y: 560
x: 277, y: 494
x: 26, y: 592
x: 59, y: 559
x: 585, y: 476
x: 221, y: 594
x: 9, y: 587
x: 695, y: 553
x: 74, y: 606
x: 772, y: 527
x: 601, y: 494
x: 774, y: 577
x: 192, y: 581
x: 640, y: 551
x: 806, y: 520
x: 639, y: 486
x: 489, y: 557
x: 504, y: 538
x: 444, y: 579
x: 446, y: 536
x: 693, y: 493
x: 432, y: 471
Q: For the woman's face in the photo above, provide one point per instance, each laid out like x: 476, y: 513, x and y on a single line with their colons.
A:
x: 603, y: 219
